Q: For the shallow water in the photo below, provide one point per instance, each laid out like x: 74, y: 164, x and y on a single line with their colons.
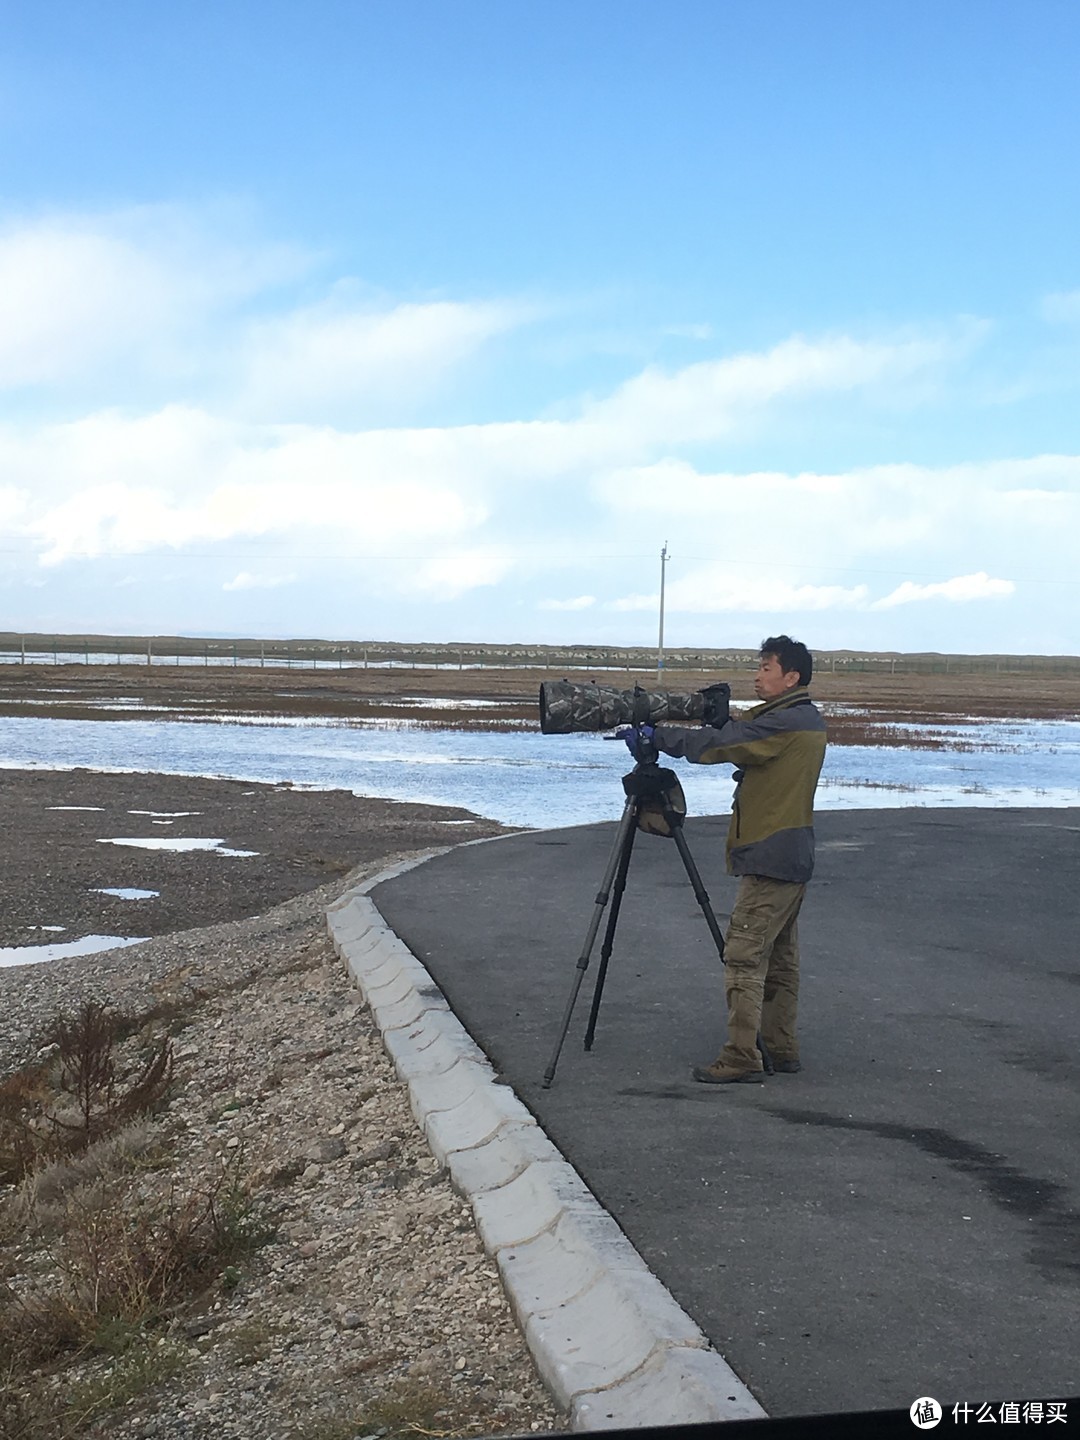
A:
x: 88, y: 945
x: 126, y: 892
x: 525, y: 778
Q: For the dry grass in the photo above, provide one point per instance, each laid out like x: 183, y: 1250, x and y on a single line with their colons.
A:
x: 77, y: 1094
x: 100, y: 1243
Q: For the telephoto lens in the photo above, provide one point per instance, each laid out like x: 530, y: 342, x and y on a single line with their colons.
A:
x: 567, y: 708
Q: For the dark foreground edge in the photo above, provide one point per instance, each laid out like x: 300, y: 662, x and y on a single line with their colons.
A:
x: 852, y: 1425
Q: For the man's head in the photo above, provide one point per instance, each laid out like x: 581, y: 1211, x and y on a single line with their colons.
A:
x: 783, y: 664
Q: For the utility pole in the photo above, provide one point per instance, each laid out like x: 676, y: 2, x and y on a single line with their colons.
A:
x: 660, y: 642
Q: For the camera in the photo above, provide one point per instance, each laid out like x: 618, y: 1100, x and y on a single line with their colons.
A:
x: 567, y: 708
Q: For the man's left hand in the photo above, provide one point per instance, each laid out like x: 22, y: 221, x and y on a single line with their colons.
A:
x: 633, y: 735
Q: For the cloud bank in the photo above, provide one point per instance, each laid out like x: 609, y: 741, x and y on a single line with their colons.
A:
x: 166, y: 391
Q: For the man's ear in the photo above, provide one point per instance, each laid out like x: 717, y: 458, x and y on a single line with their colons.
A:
x: 792, y: 679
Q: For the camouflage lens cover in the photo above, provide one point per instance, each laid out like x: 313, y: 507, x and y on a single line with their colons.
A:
x: 567, y: 708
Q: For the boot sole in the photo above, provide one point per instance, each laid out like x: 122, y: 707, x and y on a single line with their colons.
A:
x: 752, y: 1077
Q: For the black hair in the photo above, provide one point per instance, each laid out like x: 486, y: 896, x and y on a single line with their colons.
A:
x: 790, y: 654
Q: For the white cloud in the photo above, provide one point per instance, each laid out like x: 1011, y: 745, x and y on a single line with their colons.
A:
x: 705, y: 401
x: 246, y: 581
x: 331, y: 352
x: 1061, y: 308
x: 714, y: 590
x: 842, y: 518
x: 579, y: 602
x: 959, y: 590
x: 81, y: 292
x: 180, y: 477
x: 455, y: 575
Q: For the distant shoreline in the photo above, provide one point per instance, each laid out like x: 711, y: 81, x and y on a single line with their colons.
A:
x: 300, y: 653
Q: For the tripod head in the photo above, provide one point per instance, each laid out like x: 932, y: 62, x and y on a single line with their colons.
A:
x: 659, y: 804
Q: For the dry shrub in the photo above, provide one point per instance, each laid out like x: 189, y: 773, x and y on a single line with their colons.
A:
x: 25, y: 1139
x: 58, y: 1108
x: 86, y: 1055
x: 136, y: 1146
x: 125, y: 1255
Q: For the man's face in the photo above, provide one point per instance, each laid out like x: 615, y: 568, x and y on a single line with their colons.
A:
x: 770, y: 681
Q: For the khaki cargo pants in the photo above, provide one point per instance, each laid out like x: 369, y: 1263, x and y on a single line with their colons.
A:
x: 761, y: 972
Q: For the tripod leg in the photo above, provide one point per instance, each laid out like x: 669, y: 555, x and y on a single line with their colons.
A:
x: 609, y: 933
x: 625, y: 827
x: 702, y: 897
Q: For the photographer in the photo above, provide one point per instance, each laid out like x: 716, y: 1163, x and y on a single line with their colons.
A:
x: 779, y: 747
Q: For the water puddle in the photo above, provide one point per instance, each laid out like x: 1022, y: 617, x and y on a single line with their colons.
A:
x: 124, y: 892
x: 88, y: 945
x: 213, y: 847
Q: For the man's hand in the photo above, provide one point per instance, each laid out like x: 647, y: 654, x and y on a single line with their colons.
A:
x: 633, y: 735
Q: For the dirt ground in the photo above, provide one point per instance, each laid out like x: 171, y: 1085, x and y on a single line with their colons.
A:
x: 54, y: 863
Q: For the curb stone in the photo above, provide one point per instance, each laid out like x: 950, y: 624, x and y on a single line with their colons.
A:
x: 610, y: 1342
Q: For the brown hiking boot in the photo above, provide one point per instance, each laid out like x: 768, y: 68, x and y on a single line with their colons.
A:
x: 717, y: 1074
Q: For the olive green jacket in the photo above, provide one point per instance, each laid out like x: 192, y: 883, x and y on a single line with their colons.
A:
x: 779, y: 748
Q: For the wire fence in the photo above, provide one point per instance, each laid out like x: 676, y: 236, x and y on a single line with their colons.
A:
x: 59, y: 650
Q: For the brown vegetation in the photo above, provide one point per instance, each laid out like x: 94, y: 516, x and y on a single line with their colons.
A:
x: 195, y: 692
x: 99, y: 1242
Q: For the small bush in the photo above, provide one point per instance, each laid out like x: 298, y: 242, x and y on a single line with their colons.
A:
x: 145, y: 1362
x: 60, y: 1107
x: 86, y: 1055
x: 133, y: 1261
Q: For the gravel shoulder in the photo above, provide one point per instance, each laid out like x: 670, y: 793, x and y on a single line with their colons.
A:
x: 373, y: 1307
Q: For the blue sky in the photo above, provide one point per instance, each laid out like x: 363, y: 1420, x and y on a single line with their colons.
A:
x: 423, y: 320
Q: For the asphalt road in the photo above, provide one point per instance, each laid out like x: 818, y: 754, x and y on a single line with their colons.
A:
x: 900, y: 1219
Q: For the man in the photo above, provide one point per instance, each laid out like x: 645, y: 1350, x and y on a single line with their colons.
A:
x: 779, y: 747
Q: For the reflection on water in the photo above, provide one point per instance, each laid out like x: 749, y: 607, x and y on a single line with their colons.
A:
x: 88, y: 945
x: 524, y: 778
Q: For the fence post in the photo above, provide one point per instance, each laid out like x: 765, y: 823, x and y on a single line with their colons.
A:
x: 23, y: 660
x: 149, y: 651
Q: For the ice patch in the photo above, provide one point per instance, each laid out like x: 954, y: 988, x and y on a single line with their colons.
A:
x: 166, y: 814
x: 213, y: 847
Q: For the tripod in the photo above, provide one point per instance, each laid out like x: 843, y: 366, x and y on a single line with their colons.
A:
x: 652, y: 791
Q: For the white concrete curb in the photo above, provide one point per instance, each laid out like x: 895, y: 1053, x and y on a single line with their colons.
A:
x: 608, y: 1339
